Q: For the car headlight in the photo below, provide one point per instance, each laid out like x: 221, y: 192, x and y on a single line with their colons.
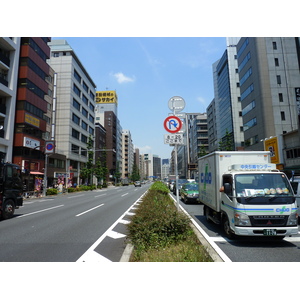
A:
x: 292, y: 220
x: 241, y: 219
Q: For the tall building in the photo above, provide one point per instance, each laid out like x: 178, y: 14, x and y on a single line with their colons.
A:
x: 106, y: 114
x: 151, y: 169
x: 198, y: 141
x: 226, y: 100
x: 128, y: 154
x: 269, y: 76
x: 75, y: 107
x: 165, y: 168
x: 31, y: 109
x: 9, y: 65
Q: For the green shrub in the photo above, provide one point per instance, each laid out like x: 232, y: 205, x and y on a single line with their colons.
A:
x: 157, y: 223
x: 51, y: 191
x: 159, y: 232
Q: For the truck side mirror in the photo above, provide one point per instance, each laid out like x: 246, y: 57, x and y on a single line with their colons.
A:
x: 227, y: 188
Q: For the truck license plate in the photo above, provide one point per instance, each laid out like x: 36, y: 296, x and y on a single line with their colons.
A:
x: 270, y: 232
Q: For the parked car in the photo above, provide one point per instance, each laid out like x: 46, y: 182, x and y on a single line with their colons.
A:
x: 189, y: 192
x: 137, y: 183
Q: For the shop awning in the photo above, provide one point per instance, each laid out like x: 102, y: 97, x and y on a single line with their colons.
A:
x: 36, y: 173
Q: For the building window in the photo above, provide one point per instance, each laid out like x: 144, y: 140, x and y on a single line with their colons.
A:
x: 75, y: 134
x: 276, y: 61
x: 282, y: 116
x: 250, y: 124
x: 76, y: 104
x: 278, y: 77
x: 86, y: 88
x: 84, y: 112
x: 76, y: 90
x: 84, y: 125
x: 249, y: 90
x: 280, y: 96
x: 85, y: 99
x: 92, y: 119
x: 274, y: 46
x: 75, y: 149
x: 77, y: 76
x: 75, y: 119
x: 84, y: 139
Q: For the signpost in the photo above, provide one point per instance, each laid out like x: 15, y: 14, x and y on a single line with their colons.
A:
x: 174, y: 139
x: 173, y: 124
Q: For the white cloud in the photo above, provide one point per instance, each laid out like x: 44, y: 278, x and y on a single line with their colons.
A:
x: 122, y: 78
x: 202, y: 101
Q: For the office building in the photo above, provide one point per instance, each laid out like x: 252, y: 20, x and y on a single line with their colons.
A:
x: 75, y: 108
x: 269, y: 77
x: 226, y: 106
x: 9, y: 66
x: 128, y: 154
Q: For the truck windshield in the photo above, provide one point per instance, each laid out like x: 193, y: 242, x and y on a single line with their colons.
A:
x: 271, y: 188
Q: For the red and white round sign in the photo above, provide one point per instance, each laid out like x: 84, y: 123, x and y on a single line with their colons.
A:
x: 172, y: 124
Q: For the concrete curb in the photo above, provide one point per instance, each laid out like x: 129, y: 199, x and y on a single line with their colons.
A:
x: 127, y: 253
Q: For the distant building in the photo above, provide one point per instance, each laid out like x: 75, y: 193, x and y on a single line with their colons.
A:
x: 128, y: 154
x: 106, y: 114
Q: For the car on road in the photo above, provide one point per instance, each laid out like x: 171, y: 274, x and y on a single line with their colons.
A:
x: 180, y: 183
x: 137, y: 183
x: 189, y: 192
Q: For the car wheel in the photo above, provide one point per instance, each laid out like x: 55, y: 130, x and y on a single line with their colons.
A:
x: 8, y: 209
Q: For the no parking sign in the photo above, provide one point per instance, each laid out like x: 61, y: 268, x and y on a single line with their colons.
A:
x: 49, y: 147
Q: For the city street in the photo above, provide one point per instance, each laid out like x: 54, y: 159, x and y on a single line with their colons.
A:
x: 246, y: 249
x: 67, y: 228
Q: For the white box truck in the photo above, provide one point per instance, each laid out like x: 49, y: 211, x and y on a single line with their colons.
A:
x: 243, y: 192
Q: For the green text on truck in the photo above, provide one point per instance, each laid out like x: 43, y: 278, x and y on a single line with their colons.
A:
x: 246, y: 194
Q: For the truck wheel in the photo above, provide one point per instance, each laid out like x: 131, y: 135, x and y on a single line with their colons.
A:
x: 227, y: 229
x: 8, y: 209
x: 206, y: 214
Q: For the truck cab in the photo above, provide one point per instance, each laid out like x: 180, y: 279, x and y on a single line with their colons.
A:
x: 260, y: 203
x: 11, y: 188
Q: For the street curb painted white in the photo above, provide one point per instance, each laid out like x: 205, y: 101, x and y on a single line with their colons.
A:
x: 217, y: 254
x: 89, y: 255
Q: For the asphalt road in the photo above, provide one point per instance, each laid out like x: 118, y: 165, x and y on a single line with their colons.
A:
x: 247, y: 249
x: 84, y: 226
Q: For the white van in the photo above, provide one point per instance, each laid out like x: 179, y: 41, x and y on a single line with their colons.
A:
x: 295, y: 183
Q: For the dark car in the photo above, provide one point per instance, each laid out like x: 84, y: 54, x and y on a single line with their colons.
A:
x: 189, y: 192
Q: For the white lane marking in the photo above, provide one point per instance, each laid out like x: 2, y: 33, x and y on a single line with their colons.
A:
x: 39, y: 211
x: 89, y: 256
x: 115, y: 234
x: 75, y: 196
x: 88, y: 210
x: 124, y: 222
x: 206, y: 236
x: 100, y: 195
x: 124, y: 195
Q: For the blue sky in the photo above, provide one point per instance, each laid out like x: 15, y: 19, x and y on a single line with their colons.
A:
x: 146, y: 72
